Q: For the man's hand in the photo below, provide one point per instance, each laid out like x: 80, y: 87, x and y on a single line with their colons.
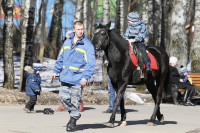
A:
x: 53, y: 76
x: 83, y: 82
x: 131, y: 40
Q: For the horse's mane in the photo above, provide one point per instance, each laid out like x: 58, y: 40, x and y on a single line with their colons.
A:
x: 118, y: 40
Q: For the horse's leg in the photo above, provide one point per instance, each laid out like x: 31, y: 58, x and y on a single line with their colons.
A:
x: 156, y: 94
x: 123, y: 113
x: 160, y: 116
x: 118, y: 99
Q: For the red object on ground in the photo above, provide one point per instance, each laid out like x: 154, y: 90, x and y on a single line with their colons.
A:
x: 153, y: 63
x: 61, y: 108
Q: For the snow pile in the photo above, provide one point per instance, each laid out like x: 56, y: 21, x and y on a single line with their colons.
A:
x: 48, y: 85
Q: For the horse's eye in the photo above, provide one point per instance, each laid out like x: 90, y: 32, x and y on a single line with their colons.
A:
x: 103, y: 32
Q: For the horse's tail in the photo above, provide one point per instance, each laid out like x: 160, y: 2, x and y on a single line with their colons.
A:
x: 167, y: 84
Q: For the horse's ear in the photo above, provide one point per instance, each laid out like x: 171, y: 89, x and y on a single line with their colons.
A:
x: 108, y: 25
x: 95, y: 26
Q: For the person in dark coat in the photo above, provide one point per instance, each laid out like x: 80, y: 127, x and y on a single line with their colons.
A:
x: 176, y: 79
x: 33, y: 81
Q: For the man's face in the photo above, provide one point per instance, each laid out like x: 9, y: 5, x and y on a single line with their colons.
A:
x: 79, y: 30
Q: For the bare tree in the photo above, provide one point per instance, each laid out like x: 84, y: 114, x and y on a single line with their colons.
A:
x: 195, y: 66
x: 147, y: 14
x: 42, y: 36
x: 54, y: 37
x: 8, y: 44
x: 0, y: 2
x: 79, y: 10
x: 85, y: 16
x: 190, y: 23
x: 106, y: 19
x: 27, y: 24
x: 94, y: 16
x: 106, y: 12
x: 178, y: 43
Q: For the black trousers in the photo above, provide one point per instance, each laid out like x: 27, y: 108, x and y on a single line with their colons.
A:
x: 142, y: 48
x: 186, y: 86
x: 31, y: 103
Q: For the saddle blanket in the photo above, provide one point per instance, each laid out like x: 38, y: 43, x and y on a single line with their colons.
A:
x: 153, y: 63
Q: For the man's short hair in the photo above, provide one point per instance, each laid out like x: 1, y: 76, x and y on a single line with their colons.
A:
x: 77, y: 23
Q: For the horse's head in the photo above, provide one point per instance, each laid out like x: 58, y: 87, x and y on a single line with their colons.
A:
x: 100, y: 38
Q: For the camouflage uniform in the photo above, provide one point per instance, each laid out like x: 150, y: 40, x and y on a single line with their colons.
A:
x: 70, y: 97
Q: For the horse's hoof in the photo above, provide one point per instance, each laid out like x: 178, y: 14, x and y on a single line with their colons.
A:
x: 122, y: 123
x: 161, y: 119
x: 110, y: 125
x: 150, y: 124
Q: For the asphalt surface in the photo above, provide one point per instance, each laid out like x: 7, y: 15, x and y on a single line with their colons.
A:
x: 178, y: 119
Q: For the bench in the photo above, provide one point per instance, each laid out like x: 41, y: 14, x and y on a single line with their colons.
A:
x: 194, y: 78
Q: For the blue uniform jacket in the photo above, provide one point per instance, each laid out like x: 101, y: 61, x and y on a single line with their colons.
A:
x: 136, y: 31
x: 33, y: 82
x: 77, y: 62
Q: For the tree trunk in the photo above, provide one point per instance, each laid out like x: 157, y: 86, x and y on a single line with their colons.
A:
x: 147, y: 15
x: 156, y: 22
x: 117, y: 18
x: 42, y: 36
x: 85, y: 17
x: 106, y: 12
x: 168, y: 25
x: 178, y: 44
x: 106, y: 19
x: 8, y: 44
x: 28, y: 8
x: 0, y: 4
x: 29, y: 39
x: 79, y: 11
x: 54, y: 37
x: 195, y: 66
x: 190, y: 21
x: 122, y: 17
x: 94, y: 17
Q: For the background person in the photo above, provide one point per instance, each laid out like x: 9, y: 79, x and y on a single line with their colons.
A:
x: 176, y: 79
x: 33, y: 81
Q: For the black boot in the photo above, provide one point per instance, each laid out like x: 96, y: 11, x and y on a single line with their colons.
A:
x: 185, y: 96
x: 71, y: 126
x: 189, y: 103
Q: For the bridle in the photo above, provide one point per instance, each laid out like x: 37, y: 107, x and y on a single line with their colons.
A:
x: 105, y: 42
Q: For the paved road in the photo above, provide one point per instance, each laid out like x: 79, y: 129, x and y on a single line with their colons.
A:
x: 178, y: 119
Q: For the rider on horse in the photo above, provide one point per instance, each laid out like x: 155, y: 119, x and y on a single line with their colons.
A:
x: 135, y: 33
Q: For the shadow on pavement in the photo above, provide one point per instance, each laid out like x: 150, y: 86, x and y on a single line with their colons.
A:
x: 146, y: 121
x: 91, y: 126
x: 131, y: 110
x: 88, y: 108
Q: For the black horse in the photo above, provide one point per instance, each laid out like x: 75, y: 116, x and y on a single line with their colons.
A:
x: 122, y: 72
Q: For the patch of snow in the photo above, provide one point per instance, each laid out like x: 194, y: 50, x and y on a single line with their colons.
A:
x: 48, y: 85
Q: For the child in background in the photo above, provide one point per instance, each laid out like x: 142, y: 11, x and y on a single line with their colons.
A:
x: 33, y: 81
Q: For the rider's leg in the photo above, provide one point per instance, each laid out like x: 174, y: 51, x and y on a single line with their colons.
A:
x: 146, y: 59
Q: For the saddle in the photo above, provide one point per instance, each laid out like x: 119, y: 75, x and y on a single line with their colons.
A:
x: 136, y: 58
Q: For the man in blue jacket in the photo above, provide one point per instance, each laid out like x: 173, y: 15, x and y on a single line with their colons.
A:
x: 75, y: 63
